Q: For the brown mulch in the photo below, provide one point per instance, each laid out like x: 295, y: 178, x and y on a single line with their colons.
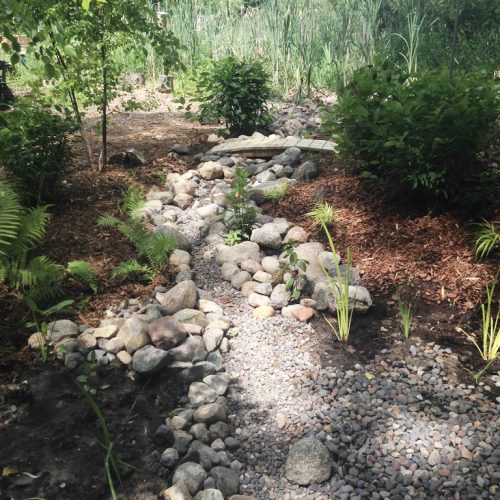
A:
x: 427, y: 255
x: 72, y: 233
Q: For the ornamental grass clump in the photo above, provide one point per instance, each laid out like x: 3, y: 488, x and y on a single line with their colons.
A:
x: 489, y: 344
x: 323, y: 215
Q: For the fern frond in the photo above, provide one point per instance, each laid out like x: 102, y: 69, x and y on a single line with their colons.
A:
x: 31, y: 229
x: 132, y: 202
x: 108, y: 221
x: 11, y: 213
x: 83, y: 271
x: 3, y: 273
x: 40, y: 278
x: 135, y: 232
x: 158, y: 247
x: 130, y: 268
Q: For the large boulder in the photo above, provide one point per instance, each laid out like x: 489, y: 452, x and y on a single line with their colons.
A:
x: 181, y: 296
x: 134, y: 334
x: 247, y: 250
x: 308, y: 462
x: 166, y: 332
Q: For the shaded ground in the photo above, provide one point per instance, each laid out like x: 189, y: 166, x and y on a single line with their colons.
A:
x: 47, y: 428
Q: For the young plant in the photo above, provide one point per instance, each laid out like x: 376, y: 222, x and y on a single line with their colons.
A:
x: 277, y: 194
x: 487, y: 239
x: 241, y: 214
x: 233, y: 237
x: 111, y: 461
x: 293, y: 284
x: 41, y: 328
x: 406, y: 318
x: 322, y: 215
x: 490, y: 329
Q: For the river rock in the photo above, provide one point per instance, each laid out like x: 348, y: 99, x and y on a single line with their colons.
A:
x: 247, y: 250
x: 212, y: 338
x: 201, y: 394
x: 257, y: 300
x: 211, y: 170
x: 270, y: 264
x: 182, y: 241
x: 307, y: 171
x: 178, y: 491
x: 192, y: 349
x: 192, y: 475
x: 166, y: 332
x: 226, y: 480
x: 61, y: 329
x: 280, y: 296
x: 149, y: 359
x: 181, y: 296
x: 211, y: 413
x: 134, y: 334
x: 192, y: 316
x: 267, y: 236
x: 308, y: 462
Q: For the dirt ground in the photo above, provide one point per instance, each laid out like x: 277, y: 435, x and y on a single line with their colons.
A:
x: 48, y: 432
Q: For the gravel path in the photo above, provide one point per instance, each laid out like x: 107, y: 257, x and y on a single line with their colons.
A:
x: 394, y: 429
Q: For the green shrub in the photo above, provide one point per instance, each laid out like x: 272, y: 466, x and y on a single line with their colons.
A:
x: 235, y: 93
x: 35, y: 151
x: 421, y: 135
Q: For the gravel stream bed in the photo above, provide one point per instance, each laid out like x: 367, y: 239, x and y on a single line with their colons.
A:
x: 394, y: 429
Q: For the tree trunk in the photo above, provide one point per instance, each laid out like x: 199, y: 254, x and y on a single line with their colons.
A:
x: 74, y: 103
x: 103, y: 159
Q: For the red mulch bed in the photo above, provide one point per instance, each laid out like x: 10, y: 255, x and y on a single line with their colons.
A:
x: 428, y: 255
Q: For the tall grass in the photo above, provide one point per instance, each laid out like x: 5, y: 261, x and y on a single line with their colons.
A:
x: 306, y: 44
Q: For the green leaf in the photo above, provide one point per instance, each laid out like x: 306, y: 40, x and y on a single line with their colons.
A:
x: 70, y: 51
x: 85, y: 4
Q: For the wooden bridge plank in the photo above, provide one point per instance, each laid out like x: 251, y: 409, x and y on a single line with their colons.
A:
x: 266, y: 144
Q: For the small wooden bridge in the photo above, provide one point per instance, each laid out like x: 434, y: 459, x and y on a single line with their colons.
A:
x: 261, y: 146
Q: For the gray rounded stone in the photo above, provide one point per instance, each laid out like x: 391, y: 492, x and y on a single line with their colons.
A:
x: 192, y: 475
x: 308, y: 462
